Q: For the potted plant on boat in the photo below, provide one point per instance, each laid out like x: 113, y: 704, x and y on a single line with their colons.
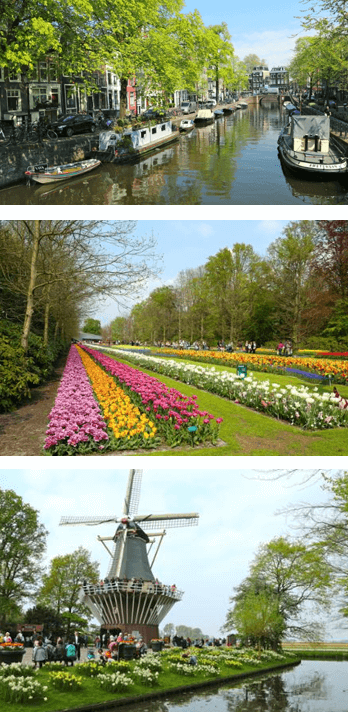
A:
x: 11, y: 652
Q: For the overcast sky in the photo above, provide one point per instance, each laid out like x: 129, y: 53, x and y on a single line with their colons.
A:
x: 237, y: 513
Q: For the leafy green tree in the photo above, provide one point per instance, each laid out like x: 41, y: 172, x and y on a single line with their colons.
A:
x: 251, y: 61
x: 92, y: 326
x: 22, y: 545
x: 42, y: 615
x: 62, y: 584
x: 290, y: 259
x: 220, y: 54
x: 257, y: 619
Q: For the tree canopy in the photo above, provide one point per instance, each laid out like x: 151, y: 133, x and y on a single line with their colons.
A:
x: 22, y: 545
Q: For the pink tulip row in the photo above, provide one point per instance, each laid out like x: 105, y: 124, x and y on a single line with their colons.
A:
x: 166, y: 404
x: 76, y: 416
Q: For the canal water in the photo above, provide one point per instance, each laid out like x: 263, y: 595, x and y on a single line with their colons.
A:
x: 310, y: 687
x: 232, y: 162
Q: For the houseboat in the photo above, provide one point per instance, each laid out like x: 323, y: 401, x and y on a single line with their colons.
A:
x: 130, y: 145
x: 305, y: 145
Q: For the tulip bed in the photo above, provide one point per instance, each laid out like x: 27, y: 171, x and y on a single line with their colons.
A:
x: 105, y: 405
x: 300, y: 406
x: 178, y: 417
x: 336, y: 369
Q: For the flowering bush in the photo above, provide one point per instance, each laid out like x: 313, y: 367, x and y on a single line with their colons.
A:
x: 75, y: 419
x: 299, y: 405
x: 115, y: 682
x: 65, y: 681
x: 173, y: 412
x: 6, y: 670
x: 145, y: 676
x: 23, y: 690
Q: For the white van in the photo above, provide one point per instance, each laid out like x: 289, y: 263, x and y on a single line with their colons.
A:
x: 188, y: 107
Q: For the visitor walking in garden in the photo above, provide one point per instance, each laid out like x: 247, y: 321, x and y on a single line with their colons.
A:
x: 39, y: 654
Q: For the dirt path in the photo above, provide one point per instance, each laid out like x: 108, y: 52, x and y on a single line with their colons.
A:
x: 22, y: 432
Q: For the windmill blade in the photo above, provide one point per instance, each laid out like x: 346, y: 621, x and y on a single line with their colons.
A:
x: 155, y: 521
x: 89, y: 521
x: 133, y: 493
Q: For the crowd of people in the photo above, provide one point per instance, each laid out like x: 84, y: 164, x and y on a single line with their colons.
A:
x: 285, y: 349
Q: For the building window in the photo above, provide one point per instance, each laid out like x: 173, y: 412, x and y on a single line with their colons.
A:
x: 43, y: 72
x: 2, y: 74
x: 154, y: 130
x: 38, y: 96
x: 53, y: 72
x: 70, y: 98
x: 109, y: 78
x: 13, y: 100
x: 13, y: 77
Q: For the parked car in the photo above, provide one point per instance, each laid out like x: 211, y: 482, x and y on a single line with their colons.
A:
x: 153, y: 114
x: 188, y: 107
x: 70, y: 124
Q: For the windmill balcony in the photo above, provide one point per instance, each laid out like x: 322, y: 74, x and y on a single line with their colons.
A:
x: 146, y: 587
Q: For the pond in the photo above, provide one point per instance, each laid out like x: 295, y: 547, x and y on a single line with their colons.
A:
x: 312, y: 686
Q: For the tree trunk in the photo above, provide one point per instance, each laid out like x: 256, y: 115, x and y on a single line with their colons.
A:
x: 31, y: 288
x: 47, y: 316
x: 123, y: 97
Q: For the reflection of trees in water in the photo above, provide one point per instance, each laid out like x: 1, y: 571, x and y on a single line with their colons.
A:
x: 312, y: 687
x: 265, y: 695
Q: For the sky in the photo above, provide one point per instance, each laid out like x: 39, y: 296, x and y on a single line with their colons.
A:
x: 187, y: 244
x: 268, y: 29
x: 237, y: 512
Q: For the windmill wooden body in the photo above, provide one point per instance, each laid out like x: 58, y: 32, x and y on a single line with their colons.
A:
x: 130, y: 598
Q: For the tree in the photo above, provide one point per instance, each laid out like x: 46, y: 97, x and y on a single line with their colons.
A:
x: 22, y: 545
x: 42, y: 615
x: 251, y: 61
x: 257, y: 619
x: 92, y: 326
x: 62, y: 583
x: 73, y: 255
x: 220, y: 54
x: 290, y: 258
x: 291, y: 575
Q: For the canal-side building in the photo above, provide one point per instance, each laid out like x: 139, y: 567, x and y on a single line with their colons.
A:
x: 46, y: 94
x: 279, y: 79
x: 258, y: 79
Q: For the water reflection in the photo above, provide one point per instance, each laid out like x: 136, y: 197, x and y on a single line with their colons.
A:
x: 310, y: 687
x: 233, y: 161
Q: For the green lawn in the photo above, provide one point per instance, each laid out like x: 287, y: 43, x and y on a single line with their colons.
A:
x: 246, y: 432
x: 91, y: 693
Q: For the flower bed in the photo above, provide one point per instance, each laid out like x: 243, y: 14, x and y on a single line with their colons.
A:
x: 178, y: 417
x: 75, y: 419
x: 130, y: 428
x: 338, y: 370
x: 299, y: 405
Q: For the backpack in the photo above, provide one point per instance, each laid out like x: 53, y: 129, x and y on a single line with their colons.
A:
x: 70, y: 651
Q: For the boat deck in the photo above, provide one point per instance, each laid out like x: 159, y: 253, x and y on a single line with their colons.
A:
x: 314, y: 157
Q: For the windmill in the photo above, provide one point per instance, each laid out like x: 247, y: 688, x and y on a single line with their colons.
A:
x: 130, y: 598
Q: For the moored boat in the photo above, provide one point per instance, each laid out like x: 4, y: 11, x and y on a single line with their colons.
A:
x: 42, y: 173
x: 218, y: 113
x: 204, y: 117
x: 305, y: 145
x: 242, y: 105
x: 131, y: 145
x: 228, y: 109
x: 186, y: 125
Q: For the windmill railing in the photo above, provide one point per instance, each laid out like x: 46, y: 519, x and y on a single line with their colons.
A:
x: 129, y: 586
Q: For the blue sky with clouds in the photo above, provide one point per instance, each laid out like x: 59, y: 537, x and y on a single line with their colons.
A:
x: 187, y: 244
x: 237, y: 513
x: 268, y: 29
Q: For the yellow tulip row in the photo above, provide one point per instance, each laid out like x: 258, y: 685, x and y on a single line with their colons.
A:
x: 122, y: 417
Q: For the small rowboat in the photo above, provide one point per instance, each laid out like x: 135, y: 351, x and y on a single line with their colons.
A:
x: 186, y: 125
x: 55, y: 174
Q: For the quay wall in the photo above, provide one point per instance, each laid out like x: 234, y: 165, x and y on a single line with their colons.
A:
x: 14, y: 160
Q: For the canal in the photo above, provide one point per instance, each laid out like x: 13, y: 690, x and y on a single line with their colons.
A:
x: 232, y: 162
x: 313, y: 686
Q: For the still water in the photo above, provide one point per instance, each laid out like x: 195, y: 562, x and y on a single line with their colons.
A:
x: 310, y: 687
x: 232, y: 162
